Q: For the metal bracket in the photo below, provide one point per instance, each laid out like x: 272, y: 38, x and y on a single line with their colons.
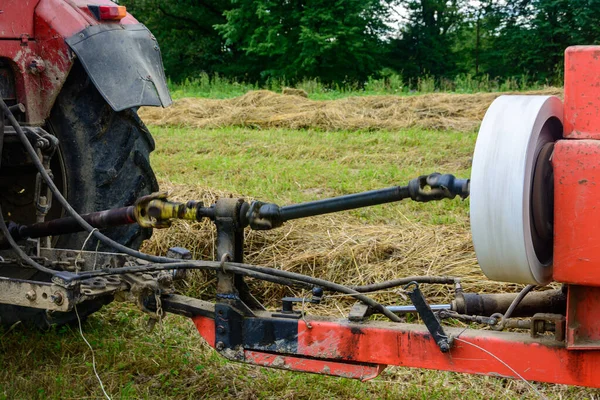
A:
x: 429, y: 319
x: 43, y: 295
x: 229, y: 332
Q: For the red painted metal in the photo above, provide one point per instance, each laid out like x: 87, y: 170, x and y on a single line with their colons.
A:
x: 577, y: 212
x: 206, y: 327
x: 582, y: 92
x: 411, y: 345
x: 40, y: 58
x: 408, y: 345
x: 16, y: 18
x: 583, y: 324
x: 364, y: 372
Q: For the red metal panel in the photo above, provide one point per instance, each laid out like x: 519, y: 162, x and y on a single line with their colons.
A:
x: 411, y: 346
x: 583, y: 324
x: 577, y: 212
x: 582, y: 92
x: 16, y: 18
x: 364, y: 372
x: 47, y: 27
x: 206, y: 327
x: 380, y: 343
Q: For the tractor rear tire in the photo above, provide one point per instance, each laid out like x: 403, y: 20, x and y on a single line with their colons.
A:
x: 105, y: 161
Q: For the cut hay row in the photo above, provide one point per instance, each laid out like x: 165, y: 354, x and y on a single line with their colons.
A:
x: 337, y: 247
x: 265, y: 109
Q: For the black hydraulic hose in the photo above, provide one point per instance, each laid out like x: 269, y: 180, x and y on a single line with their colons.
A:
x: 517, y: 301
x: 248, y: 270
x: 61, y: 199
x: 444, y: 280
x: 326, y: 284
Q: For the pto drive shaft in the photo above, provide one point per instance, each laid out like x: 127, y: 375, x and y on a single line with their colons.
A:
x: 155, y: 211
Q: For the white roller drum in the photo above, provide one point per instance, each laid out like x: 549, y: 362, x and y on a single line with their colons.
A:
x: 510, y: 138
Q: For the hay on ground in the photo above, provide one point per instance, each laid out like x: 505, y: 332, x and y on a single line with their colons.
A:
x: 265, y: 109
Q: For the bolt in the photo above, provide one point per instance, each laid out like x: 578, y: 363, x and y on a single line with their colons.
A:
x: 36, y: 66
x: 31, y: 296
x: 81, y: 35
x: 444, y: 346
x: 57, y: 298
x: 220, y: 346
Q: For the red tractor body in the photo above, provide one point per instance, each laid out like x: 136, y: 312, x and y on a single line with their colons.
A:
x: 37, y: 57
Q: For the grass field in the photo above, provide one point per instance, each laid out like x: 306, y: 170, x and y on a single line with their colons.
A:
x: 283, y: 166
x: 218, y: 87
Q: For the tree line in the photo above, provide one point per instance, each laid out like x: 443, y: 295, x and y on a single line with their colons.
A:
x: 340, y: 41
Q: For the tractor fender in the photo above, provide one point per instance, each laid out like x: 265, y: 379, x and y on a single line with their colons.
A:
x: 35, y: 55
x: 124, y: 63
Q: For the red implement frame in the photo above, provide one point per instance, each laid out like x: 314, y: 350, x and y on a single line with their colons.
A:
x: 362, y: 350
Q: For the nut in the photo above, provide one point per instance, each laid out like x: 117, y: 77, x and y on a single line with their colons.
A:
x: 57, y: 298
x: 31, y: 295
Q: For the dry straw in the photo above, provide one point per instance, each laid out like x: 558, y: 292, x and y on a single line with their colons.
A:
x: 265, y: 109
x: 336, y: 247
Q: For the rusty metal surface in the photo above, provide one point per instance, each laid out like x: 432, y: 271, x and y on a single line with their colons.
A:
x: 382, y: 343
x: 363, y: 372
x: 36, y: 49
x: 70, y: 260
x: 42, y: 295
x: 546, y: 322
x: 548, y: 301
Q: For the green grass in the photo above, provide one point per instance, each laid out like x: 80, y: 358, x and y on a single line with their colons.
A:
x: 219, y: 87
x: 288, y: 166
x: 278, y: 165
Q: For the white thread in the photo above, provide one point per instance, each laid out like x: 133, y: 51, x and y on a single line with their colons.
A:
x: 93, y: 357
x: 541, y: 396
x: 81, y: 251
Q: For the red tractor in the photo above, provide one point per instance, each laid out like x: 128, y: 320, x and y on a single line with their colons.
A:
x: 76, y: 72
x: 75, y: 183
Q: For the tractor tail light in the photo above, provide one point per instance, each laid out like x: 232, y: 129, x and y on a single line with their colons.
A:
x: 108, y: 13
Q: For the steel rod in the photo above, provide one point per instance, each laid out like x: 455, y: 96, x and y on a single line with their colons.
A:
x: 342, y: 203
x: 412, y: 309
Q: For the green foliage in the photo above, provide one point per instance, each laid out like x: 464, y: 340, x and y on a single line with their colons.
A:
x: 424, y: 45
x: 526, y: 37
x: 334, y: 41
x: 390, y: 83
x: 184, y: 29
x: 351, y: 44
